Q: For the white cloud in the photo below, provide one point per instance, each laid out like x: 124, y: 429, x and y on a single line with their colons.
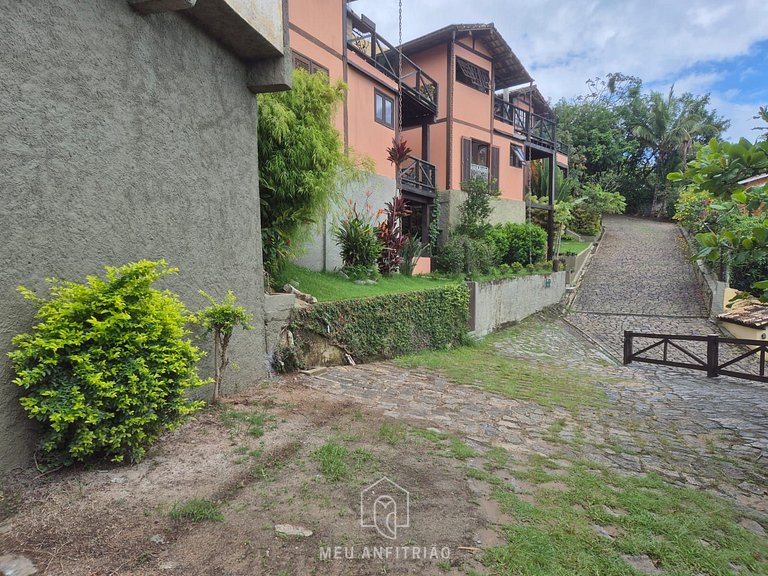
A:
x: 564, y: 43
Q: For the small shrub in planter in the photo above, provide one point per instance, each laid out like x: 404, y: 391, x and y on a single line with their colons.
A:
x: 106, y: 367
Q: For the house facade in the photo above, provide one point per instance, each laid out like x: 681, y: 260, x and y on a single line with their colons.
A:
x: 129, y: 133
x: 329, y: 37
x: 492, y: 121
x: 469, y: 109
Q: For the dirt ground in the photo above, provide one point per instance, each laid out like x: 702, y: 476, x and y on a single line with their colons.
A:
x: 116, y: 520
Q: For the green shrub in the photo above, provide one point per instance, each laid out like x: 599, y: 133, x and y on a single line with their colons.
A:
x: 585, y: 220
x: 465, y: 255
x: 521, y: 243
x: 387, y: 326
x: 106, y: 368
x: 357, y: 236
x: 476, y: 209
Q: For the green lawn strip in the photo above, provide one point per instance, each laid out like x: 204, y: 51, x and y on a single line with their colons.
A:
x: 330, y: 287
x: 573, y: 246
x: 687, y: 532
x: 483, y: 366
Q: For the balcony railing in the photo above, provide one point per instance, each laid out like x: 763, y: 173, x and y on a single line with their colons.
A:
x: 419, y: 177
x: 537, y: 129
x: 365, y: 41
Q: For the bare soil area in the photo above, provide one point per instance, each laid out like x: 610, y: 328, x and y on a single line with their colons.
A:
x: 255, y: 458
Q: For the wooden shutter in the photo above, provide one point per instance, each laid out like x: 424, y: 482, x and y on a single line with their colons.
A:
x: 466, y: 158
x: 495, y: 167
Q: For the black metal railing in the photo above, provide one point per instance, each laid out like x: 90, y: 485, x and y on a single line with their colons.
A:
x: 711, y: 359
x: 418, y: 176
x: 364, y: 40
x: 536, y: 128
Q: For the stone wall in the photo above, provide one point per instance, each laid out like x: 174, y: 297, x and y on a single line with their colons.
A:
x: 495, y: 304
x: 124, y: 137
x: 504, y: 209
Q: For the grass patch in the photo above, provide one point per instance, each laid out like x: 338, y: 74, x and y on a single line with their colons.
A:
x: 685, y: 532
x: 573, y: 246
x: 251, y: 423
x: 196, y: 510
x: 486, y: 367
x: 460, y: 450
x: 330, y: 287
x: 336, y: 460
x: 496, y: 458
x: 430, y: 435
x: 393, y: 434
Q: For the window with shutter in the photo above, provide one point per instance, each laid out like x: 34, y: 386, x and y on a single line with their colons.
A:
x: 472, y: 75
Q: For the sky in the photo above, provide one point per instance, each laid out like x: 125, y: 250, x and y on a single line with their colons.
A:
x: 701, y: 46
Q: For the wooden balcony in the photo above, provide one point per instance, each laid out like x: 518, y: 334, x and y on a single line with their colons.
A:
x: 419, y: 89
x: 536, y: 129
x: 418, y: 177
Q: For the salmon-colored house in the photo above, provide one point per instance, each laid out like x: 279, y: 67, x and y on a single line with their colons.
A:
x: 469, y: 108
x: 492, y: 121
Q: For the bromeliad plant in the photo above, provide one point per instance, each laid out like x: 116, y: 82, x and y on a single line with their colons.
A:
x: 221, y: 319
x: 106, y: 368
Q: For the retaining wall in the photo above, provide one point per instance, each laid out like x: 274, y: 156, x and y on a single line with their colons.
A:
x: 498, y: 303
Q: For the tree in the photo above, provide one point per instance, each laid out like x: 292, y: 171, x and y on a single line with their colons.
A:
x: 667, y: 133
x: 762, y: 114
x: 302, y: 164
x: 221, y: 319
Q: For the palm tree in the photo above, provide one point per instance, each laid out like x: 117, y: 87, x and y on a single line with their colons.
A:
x: 668, y: 130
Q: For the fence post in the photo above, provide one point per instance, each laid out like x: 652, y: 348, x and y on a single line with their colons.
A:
x: 713, y: 352
x: 628, y: 335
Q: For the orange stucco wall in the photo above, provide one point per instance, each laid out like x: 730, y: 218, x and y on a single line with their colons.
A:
x: 435, y: 63
x: 510, y: 178
x: 471, y: 105
x: 323, y: 20
x: 366, y: 136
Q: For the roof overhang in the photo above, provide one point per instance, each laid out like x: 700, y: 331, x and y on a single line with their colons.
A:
x: 508, y: 70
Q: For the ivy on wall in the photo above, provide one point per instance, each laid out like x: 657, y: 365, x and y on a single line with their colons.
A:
x: 388, y: 326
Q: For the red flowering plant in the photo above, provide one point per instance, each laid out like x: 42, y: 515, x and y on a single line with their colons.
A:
x: 391, y: 235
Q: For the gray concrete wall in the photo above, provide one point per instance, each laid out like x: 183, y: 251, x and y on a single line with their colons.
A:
x: 504, y: 209
x: 319, y: 251
x: 492, y: 305
x: 574, y: 265
x: 123, y: 137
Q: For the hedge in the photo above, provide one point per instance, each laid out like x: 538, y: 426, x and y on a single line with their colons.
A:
x: 391, y: 325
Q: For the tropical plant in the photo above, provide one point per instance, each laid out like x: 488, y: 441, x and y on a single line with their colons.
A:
x: 106, y: 368
x: 762, y: 114
x: 221, y: 319
x: 302, y: 163
x: 391, y: 237
x: 357, y: 236
x: 411, y: 252
x: 668, y: 131
x: 398, y: 152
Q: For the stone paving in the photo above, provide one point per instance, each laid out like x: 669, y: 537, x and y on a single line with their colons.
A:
x: 695, y: 431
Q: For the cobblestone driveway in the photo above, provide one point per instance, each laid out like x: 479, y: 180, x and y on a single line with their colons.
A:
x: 694, y: 431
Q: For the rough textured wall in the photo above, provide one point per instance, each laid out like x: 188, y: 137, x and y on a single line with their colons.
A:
x: 500, y: 302
x: 123, y: 137
x: 319, y: 249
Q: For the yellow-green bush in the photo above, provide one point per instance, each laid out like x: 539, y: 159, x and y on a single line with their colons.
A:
x: 106, y: 367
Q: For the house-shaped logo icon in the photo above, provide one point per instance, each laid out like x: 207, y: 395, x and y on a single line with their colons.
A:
x: 384, y: 505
